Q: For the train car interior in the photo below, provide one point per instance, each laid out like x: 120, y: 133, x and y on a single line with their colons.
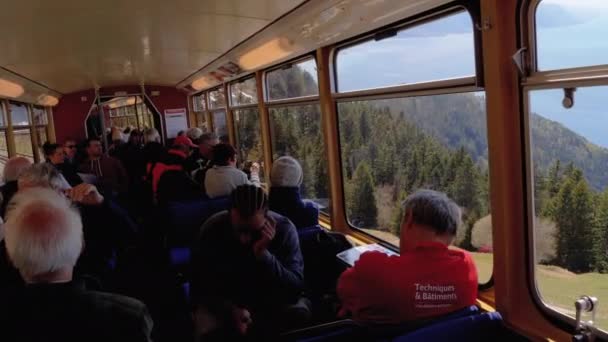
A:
x: 425, y: 170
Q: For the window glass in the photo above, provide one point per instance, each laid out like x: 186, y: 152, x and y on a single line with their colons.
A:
x: 295, y: 80
x: 42, y: 138
x: 569, y: 150
x: 217, y: 99
x: 391, y: 148
x: 249, y: 139
x: 19, y: 114
x: 3, y: 152
x: 296, y: 131
x: 243, y: 92
x: 219, y: 124
x: 23, y: 143
x: 201, y: 120
x: 571, y: 33
x: 3, y: 145
x: 198, y: 103
x: 440, y: 49
x: 2, y: 116
x: 40, y: 116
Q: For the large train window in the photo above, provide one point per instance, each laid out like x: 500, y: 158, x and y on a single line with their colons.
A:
x: 395, y: 141
x: 296, y: 131
x: 292, y: 80
x: 199, y: 107
x: 560, y: 27
x: 23, y: 137
x: 243, y: 92
x: 436, y: 50
x: 567, y: 148
x: 3, y: 143
x: 296, y: 126
x: 247, y: 127
x: 217, y: 104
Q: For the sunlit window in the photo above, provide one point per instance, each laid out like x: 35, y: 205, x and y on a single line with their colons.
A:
x: 243, y: 92
x: 391, y: 148
x: 249, y: 139
x: 293, y: 80
x: 296, y: 131
x: 219, y: 125
x: 569, y: 150
x: 440, y: 49
x: 571, y: 33
x: 217, y: 98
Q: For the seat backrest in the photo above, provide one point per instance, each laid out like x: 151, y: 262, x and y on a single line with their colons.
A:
x: 392, y: 330
x: 186, y: 218
x: 468, y: 328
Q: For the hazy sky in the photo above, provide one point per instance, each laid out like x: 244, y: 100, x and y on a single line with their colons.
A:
x: 570, y: 34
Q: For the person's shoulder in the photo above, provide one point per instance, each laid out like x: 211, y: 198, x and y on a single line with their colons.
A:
x: 282, y: 221
x: 115, y: 303
x: 123, y: 314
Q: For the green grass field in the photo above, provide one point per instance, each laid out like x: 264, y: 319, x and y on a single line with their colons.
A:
x: 559, y: 288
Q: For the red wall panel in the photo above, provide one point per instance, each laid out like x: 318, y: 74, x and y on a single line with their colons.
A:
x: 70, y: 114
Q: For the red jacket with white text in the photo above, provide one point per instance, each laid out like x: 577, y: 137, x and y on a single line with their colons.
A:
x: 430, y: 281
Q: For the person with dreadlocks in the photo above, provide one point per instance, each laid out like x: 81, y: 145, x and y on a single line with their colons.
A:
x: 248, y: 269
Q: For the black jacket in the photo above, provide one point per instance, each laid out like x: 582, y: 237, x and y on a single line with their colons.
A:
x: 227, y: 273
x: 68, y: 312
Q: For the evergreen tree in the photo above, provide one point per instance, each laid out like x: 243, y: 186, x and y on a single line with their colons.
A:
x: 572, y: 211
x: 361, y: 202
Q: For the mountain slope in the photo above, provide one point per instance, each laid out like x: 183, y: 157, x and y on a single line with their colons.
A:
x: 459, y: 120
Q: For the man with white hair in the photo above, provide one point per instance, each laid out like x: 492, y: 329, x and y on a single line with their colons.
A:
x: 107, y: 228
x: 12, y: 170
x: 44, y: 239
x: 427, y: 280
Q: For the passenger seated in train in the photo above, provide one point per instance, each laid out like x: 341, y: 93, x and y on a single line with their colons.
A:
x: 13, y: 168
x: 428, y: 279
x: 107, y: 228
x: 70, y: 149
x: 224, y: 176
x: 111, y: 175
x: 285, y: 179
x: 248, y: 268
x: 194, y: 134
x: 153, y: 149
x: 174, y: 159
x: 201, y: 159
x: 44, y: 238
x: 54, y: 155
x: 131, y: 156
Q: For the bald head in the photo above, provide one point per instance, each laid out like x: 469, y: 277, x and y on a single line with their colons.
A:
x: 43, y: 234
x: 14, y: 168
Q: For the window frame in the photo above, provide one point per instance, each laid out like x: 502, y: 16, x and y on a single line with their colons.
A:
x: 417, y: 20
x: 200, y: 113
x: 293, y: 102
x: 241, y: 80
x: 535, y: 79
x: 464, y: 84
x: 230, y: 110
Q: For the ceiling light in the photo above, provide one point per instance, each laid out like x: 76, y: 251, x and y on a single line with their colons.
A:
x: 200, y: 83
x: 47, y: 100
x: 266, y: 53
x: 10, y: 89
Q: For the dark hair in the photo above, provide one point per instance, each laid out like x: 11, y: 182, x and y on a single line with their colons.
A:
x: 247, y: 199
x: 49, y: 148
x: 222, y: 153
x: 91, y: 139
